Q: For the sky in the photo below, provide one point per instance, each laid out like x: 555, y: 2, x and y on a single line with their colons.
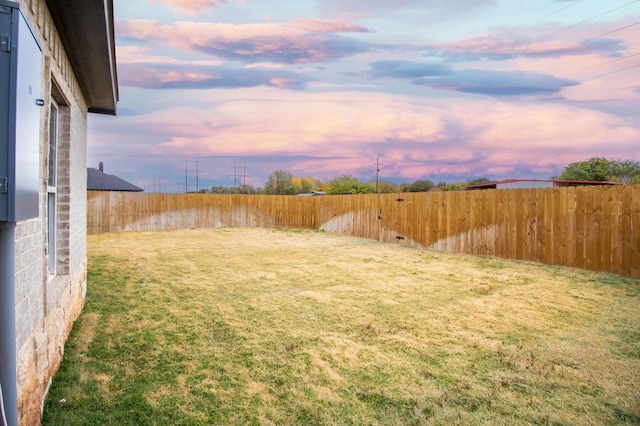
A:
x: 225, y: 92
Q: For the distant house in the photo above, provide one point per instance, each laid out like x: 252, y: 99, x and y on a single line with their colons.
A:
x: 537, y: 183
x: 312, y: 194
x: 98, y: 180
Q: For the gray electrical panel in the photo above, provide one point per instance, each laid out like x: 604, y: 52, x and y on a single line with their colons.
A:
x: 20, y: 108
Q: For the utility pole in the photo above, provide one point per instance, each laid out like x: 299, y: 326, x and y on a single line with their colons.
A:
x: 235, y: 175
x: 186, y: 175
x: 377, y: 172
x: 244, y: 175
x: 158, y: 185
x: 197, y: 175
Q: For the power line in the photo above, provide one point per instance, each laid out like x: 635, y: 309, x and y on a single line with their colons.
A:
x: 584, y: 42
x: 614, y: 60
x: 602, y: 64
x: 612, y: 72
x: 607, y: 33
x: 557, y: 11
x: 596, y: 16
x: 596, y: 37
x: 539, y: 9
x: 588, y: 40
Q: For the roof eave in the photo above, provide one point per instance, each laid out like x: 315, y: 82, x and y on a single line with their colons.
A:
x: 86, y: 30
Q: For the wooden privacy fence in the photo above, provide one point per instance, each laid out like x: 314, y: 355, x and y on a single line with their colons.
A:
x: 590, y: 227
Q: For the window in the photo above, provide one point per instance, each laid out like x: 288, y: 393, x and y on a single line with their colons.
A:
x: 52, y: 187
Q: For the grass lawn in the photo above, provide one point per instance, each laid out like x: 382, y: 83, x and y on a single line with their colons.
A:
x: 273, y: 327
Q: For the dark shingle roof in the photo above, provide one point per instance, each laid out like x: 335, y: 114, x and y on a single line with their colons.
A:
x: 99, y: 181
x: 86, y: 30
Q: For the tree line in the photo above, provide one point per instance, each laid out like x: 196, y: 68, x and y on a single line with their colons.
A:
x: 282, y: 182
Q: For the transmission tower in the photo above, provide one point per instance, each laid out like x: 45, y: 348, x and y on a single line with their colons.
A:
x: 236, y: 176
x: 191, y: 174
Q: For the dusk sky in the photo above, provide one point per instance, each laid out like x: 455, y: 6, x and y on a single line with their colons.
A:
x: 436, y: 89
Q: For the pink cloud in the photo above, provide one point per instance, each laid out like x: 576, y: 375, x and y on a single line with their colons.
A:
x: 301, y: 41
x: 603, y: 81
x: 327, y: 134
x: 498, y: 46
x: 328, y: 26
x: 606, y: 39
x: 153, y: 77
x: 365, y: 8
x: 145, y: 55
x: 163, y: 76
x: 193, y: 7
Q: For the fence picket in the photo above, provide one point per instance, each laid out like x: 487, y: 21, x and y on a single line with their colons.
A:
x: 596, y: 228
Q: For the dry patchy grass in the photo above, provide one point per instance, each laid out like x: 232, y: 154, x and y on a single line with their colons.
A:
x: 255, y: 326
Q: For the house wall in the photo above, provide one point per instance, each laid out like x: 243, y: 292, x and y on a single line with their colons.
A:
x: 46, y: 307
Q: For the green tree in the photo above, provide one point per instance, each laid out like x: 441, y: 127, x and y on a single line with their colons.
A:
x: 575, y: 173
x: 478, y: 181
x: 444, y: 186
x: 602, y: 169
x: 305, y: 186
x: 421, y: 186
x: 385, y: 187
x: 247, y: 189
x: 243, y: 189
x: 280, y: 182
x: 626, y: 171
x: 347, y: 184
x: 595, y: 169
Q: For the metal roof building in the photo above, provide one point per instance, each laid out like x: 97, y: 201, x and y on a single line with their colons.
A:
x: 537, y: 183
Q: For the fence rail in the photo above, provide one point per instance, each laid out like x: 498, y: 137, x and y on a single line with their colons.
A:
x: 595, y: 228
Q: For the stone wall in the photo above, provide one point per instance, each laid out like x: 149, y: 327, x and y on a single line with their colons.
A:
x: 47, y: 306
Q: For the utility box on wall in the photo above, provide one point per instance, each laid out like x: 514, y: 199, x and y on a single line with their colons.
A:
x: 20, y: 107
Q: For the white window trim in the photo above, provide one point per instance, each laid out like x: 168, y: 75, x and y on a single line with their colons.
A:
x: 52, y: 221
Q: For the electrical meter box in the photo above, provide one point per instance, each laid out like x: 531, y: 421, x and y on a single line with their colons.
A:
x: 20, y: 107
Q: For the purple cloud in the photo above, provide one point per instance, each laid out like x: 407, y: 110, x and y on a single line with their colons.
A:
x: 407, y: 69
x: 500, y: 47
x: 313, y: 48
x: 301, y: 41
x: 486, y: 82
x: 368, y: 7
x: 193, y: 7
x: 497, y: 83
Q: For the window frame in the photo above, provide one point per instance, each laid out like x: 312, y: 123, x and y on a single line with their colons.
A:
x: 52, y: 185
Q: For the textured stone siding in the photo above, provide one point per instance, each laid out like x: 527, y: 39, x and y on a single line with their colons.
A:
x: 46, y: 307
x: 29, y: 274
x: 40, y: 357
